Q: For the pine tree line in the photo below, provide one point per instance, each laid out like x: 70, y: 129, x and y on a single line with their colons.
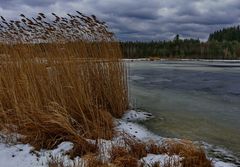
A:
x: 223, y: 44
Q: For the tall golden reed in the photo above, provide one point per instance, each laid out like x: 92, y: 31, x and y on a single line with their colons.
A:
x: 61, y: 78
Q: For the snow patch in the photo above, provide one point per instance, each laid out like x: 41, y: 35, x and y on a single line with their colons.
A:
x: 133, y: 115
x: 23, y: 155
x: 223, y: 164
x: 136, y: 131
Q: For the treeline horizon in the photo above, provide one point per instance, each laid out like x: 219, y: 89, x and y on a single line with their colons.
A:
x: 222, y: 44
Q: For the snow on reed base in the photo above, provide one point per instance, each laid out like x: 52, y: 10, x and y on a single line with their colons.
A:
x: 61, y: 79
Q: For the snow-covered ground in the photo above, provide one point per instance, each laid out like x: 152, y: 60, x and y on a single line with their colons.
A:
x: 23, y: 155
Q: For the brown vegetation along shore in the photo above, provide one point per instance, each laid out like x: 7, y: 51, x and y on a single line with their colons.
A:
x: 135, y: 153
x: 48, y: 96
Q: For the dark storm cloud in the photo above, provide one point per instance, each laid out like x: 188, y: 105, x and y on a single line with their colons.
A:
x: 14, y: 3
x: 142, y: 19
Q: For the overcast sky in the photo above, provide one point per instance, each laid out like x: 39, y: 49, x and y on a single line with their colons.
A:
x: 141, y: 19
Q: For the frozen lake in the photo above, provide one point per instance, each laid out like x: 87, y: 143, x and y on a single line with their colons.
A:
x: 195, y: 100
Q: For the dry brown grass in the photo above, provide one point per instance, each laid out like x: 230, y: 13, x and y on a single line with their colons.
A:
x: 55, y: 162
x: 137, y: 148
x: 128, y: 155
x: 60, y: 80
x: 122, y: 157
x: 91, y: 160
x: 190, y: 154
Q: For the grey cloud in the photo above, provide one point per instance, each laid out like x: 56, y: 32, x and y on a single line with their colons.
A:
x: 142, y: 19
x: 10, y: 4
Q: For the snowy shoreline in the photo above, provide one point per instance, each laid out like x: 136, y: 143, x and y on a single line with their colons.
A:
x: 200, y: 60
x: 23, y: 155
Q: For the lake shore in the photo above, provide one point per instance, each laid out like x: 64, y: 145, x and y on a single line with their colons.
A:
x: 24, y: 155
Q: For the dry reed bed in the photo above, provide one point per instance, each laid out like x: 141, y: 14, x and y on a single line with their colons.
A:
x: 130, y: 154
x: 60, y: 79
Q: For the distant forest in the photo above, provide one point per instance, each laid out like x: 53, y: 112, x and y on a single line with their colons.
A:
x: 223, y: 44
